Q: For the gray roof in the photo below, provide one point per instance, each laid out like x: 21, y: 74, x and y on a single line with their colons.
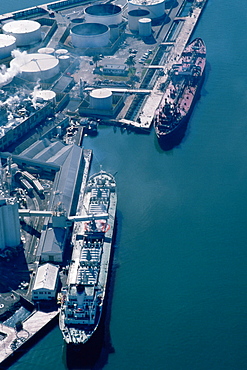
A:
x: 46, y: 277
x: 53, y: 241
x: 66, y: 179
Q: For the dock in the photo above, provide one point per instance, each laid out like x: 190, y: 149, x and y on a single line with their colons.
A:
x: 12, y: 340
x: 153, y: 100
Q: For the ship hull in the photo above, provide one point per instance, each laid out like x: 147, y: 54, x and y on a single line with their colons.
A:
x: 85, y: 294
x: 171, y: 132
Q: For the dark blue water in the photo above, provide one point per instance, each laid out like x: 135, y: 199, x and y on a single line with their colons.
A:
x: 179, y: 299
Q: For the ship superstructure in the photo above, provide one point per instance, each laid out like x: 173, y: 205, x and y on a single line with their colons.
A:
x: 185, y: 80
x: 83, y: 298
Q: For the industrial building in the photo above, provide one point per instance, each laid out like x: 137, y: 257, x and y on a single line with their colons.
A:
x: 63, y: 200
x: 115, y: 69
x: 46, y: 282
x: 9, y: 223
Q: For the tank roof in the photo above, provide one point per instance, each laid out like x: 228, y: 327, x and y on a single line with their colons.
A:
x: 46, y: 94
x: 138, y: 12
x: 21, y: 26
x: 89, y: 29
x: 6, y: 40
x: 145, y: 20
x: 103, y: 9
x: 36, y: 62
x: 100, y: 93
x: 146, y: 2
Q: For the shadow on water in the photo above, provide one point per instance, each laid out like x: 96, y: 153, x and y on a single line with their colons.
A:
x: 93, y: 355
x: 173, y: 140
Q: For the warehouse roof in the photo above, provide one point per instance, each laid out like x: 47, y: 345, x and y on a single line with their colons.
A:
x: 46, y: 277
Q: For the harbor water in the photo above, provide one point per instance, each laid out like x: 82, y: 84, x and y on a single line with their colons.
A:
x: 179, y: 297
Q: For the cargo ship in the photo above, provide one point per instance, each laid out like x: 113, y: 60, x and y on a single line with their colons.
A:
x: 83, y: 297
x: 183, y: 87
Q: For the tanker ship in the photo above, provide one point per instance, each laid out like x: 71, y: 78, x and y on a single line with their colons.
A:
x: 83, y: 297
x: 183, y: 87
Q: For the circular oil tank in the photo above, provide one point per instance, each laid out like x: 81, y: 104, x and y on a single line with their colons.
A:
x: 134, y: 16
x: 156, y: 8
x: 46, y: 95
x: 26, y: 32
x: 61, y: 52
x: 145, y: 27
x: 104, y: 13
x: 101, y: 99
x: 64, y: 61
x: 114, y: 32
x: 7, y: 44
x: 77, y: 20
x: 49, y: 51
x: 37, y: 66
x: 90, y: 35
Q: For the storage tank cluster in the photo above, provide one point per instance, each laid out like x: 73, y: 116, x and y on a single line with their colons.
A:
x: 26, y: 32
x: 101, y: 26
x: 37, y: 66
x: 10, y: 235
x: 134, y: 16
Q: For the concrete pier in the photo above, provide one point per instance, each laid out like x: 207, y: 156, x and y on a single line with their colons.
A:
x: 153, y: 100
x: 11, y: 340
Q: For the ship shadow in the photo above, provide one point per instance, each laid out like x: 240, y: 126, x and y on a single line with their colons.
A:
x: 174, y: 140
x: 94, y: 354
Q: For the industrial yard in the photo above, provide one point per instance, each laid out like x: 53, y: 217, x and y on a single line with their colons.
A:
x: 68, y: 67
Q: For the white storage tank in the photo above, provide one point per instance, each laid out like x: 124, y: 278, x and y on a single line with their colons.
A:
x: 101, y: 99
x: 37, y: 66
x: 134, y: 16
x: 49, y: 51
x: 7, y: 44
x: 59, y: 52
x: 11, y: 223
x: 156, y: 8
x: 45, y: 95
x: 114, y: 32
x: 77, y: 20
x: 104, y: 13
x: 145, y: 27
x: 64, y: 61
x: 90, y: 35
x: 26, y: 32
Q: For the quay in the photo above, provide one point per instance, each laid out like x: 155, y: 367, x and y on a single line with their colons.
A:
x: 13, y: 341
x: 177, y: 47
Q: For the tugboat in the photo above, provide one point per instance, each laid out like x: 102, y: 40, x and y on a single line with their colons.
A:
x: 83, y: 297
x: 183, y: 86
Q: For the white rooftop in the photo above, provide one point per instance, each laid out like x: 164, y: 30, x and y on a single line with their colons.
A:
x: 46, y: 277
